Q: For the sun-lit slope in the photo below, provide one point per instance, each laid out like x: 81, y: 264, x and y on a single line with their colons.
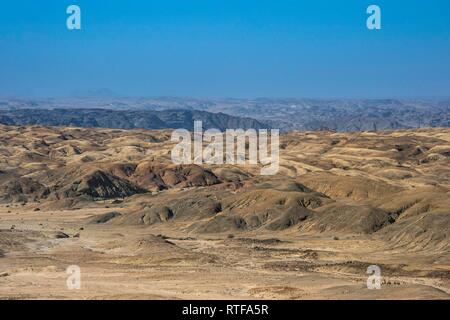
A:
x: 391, y: 184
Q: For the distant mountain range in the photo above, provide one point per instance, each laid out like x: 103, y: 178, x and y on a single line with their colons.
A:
x: 285, y: 114
x: 131, y: 119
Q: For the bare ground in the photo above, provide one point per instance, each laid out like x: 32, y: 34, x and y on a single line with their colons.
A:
x: 161, y: 262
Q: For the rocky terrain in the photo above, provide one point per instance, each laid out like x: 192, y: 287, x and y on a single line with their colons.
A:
x: 285, y: 114
x: 129, y: 119
x: 112, y: 202
x: 346, y: 114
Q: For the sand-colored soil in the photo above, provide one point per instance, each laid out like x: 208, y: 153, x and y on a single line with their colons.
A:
x: 139, y: 227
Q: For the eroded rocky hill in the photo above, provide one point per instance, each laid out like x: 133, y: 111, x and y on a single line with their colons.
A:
x: 393, y: 184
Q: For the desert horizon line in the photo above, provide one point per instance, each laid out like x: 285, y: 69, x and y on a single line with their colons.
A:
x: 228, y: 97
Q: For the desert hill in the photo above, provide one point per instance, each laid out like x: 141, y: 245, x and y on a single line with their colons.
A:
x: 340, y: 201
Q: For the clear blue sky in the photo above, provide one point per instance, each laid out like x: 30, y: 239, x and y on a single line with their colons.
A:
x: 226, y: 48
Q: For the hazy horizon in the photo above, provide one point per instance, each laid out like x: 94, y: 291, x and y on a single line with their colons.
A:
x: 205, y: 97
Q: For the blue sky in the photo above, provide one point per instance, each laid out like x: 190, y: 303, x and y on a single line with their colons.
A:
x: 226, y: 48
